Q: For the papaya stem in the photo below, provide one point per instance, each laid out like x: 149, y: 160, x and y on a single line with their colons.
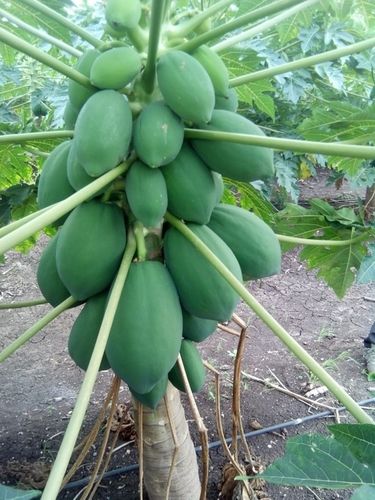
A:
x: 323, y: 243
x: 148, y: 77
x: 40, y: 34
x: 41, y: 56
x: 33, y: 330
x: 262, y: 27
x: 19, y: 305
x: 326, y: 148
x: 305, y: 62
x: 20, y: 222
x: 59, y: 209
x: 35, y: 136
x: 60, y: 465
x: 240, y: 21
x: 184, y: 29
x: 293, y: 346
x: 64, y: 21
x: 140, y: 239
x: 138, y: 37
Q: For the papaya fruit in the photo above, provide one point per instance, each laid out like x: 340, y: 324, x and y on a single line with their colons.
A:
x: 215, y: 68
x: 90, y: 247
x: 158, y: 135
x: 252, y: 241
x: 146, y: 334
x: 77, y: 175
x: 186, y: 86
x: 197, y: 329
x: 242, y: 162
x: 123, y: 14
x: 146, y: 193
x: 115, y: 68
x: 70, y: 115
x: 203, y: 291
x: 194, y: 368
x: 49, y: 282
x: 85, y: 331
x: 53, y: 185
x: 219, y: 186
x: 152, y: 399
x: 103, y: 132
x: 190, y: 186
x: 228, y: 102
x: 78, y: 94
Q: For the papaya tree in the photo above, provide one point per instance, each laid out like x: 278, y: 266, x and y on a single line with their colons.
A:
x: 132, y: 191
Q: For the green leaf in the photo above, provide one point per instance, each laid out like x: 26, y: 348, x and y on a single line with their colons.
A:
x: 320, y: 462
x: 360, y: 439
x: 364, y: 493
x: 366, y: 273
x: 8, y: 493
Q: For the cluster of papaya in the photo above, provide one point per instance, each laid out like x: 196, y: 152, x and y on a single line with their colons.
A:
x: 172, y: 298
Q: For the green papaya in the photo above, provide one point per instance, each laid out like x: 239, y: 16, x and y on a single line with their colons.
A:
x: 49, y: 282
x: 243, y: 162
x: 77, y: 175
x: 146, y: 334
x: 215, y: 68
x: 186, y: 86
x: 203, y: 291
x: 53, y: 185
x: 39, y: 108
x: 103, y: 132
x: 90, y: 247
x: 146, y: 193
x: 78, y: 94
x: 85, y: 331
x: 197, y: 329
x: 191, y: 187
x: 194, y: 368
x: 252, y: 241
x: 70, y: 115
x: 152, y: 399
x: 118, y: 34
x: 115, y: 68
x: 123, y: 14
x: 158, y: 135
x: 229, y: 102
x: 219, y: 186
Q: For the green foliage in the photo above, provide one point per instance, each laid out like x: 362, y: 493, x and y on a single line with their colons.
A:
x: 8, y: 493
x: 366, y: 273
x: 344, y: 460
x: 337, y: 265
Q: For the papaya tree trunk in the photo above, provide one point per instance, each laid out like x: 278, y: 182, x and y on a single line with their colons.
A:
x: 170, y: 468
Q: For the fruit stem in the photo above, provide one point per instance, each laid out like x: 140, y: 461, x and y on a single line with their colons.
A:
x: 324, y: 243
x: 140, y: 239
x: 71, y: 434
x: 37, y: 54
x: 305, y: 62
x: 19, y: 305
x: 240, y: 21
x: 293, y: 346
x: 327, y: 148
x: 138, y: 37
x: 40, y: 34
x: 148, y: 77
x: 33, y: 330
x: 64, y: 21
x: 20, y: 222
x: 35, y: 136
x: 59, y: 209
x: 262, y: 27
x: 184, y: 29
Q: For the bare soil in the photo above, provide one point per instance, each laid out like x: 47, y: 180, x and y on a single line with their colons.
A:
x: 39, y: 383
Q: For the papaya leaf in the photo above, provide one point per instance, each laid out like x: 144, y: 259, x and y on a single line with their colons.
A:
x: 326, y: 461
x: 366, y: 273
x: 359, y: 439
x: 364, y: 493
x: 9, y: 493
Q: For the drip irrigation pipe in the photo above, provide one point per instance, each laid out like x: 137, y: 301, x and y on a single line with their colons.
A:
x: 216, y: 444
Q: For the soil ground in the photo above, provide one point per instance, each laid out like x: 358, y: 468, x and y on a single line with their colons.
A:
x: 39, y: 383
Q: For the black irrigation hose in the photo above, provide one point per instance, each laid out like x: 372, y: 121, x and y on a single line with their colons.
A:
x: 216, y: 444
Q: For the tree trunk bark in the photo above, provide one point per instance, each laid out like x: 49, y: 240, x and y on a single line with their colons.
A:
x: 165, y: 442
